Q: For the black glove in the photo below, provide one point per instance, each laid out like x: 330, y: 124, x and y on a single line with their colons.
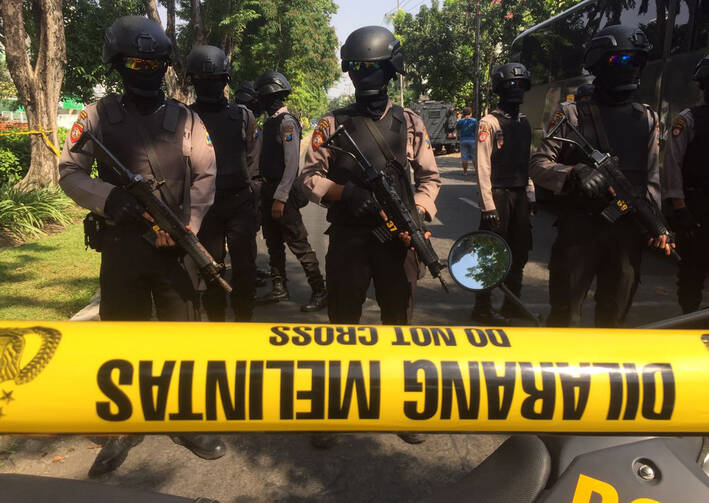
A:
x: 683, y: 221
x: 589, y: 182
x: 490, y: 219
x: 123, y: 208
x: 359, y: 201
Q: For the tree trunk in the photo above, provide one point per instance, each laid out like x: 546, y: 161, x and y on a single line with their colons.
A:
x: 197, y: 25
x: 38, y: 87
x: 175, y: 82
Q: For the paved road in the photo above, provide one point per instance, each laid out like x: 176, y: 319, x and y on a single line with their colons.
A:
x: 379, y: 468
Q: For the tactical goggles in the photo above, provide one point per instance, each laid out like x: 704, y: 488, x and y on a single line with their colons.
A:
x: 635, y: 60
x: 143, y: 65
x: 356, y: 66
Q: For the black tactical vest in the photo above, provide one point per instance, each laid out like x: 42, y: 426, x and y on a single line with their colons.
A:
x: 224, y: 123
x: 272, y: 163
x: 510, y: 162
x: 344, y: 169
x: 695, y: 169
x: 165, y: 128
x: 628, y: 131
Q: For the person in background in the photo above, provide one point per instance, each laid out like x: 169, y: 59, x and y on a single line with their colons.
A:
x: 467, y: 128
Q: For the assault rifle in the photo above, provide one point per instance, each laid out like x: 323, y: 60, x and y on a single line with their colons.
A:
x: 625, y: 201
x: 399, y: 218
x: 144, y: 191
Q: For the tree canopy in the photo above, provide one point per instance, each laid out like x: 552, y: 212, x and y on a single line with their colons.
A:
x: 439, y: 42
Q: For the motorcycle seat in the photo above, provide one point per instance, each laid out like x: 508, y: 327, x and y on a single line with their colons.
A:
x: 516, y: 472
x: 35, y: 489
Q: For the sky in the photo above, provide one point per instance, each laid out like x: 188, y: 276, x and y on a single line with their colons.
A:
x: 354, y: 14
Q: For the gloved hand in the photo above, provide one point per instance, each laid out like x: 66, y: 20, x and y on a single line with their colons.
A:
x: 532, y: 209
x: 359, y: 201
x: 683, y: 221
x: 490, y: 219
x: 123, y: 208
x: 589, y: 182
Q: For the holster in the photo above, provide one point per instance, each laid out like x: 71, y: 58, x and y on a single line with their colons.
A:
x: 94, y: 231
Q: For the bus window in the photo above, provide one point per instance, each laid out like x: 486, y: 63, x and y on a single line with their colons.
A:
x: 701, y: 26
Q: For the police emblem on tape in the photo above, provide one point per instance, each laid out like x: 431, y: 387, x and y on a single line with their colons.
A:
x: 207, y: 138
x: 12, y: 346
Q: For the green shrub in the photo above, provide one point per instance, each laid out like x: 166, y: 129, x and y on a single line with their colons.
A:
x: 19, y: 145
x: 10, y: 169
x: 24, y: 213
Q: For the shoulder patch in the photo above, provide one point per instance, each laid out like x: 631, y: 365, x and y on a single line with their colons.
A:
x: 678, y: 126
x: 287, y: 128
x: 317, y: 139
x: 558, y: 115
x: 484, y: 131
x: 83, y: 115
x: 76, y: 131
x: 323, y: 124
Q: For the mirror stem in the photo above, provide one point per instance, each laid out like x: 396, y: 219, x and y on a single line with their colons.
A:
x: 515, y: 300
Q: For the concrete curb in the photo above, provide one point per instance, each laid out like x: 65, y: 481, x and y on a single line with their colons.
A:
x: 90, y: 312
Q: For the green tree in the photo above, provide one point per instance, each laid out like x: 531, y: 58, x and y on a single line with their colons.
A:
x: 439, y: 43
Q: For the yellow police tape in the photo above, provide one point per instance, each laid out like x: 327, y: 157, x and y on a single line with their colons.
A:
x: 49, y: 143
x: 157, y: 377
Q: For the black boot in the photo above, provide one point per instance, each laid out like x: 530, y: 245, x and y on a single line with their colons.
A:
x: 318, y: 301
x: 278, y: 293
x: 113, y: 454
x: 486, y: 315
x: 204, y: 446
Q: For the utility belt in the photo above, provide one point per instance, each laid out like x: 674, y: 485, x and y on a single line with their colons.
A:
x: 97, y: 229
x: 234, y: 196
x: 521, y: 188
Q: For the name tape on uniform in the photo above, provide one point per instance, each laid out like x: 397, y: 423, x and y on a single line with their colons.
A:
x: 86, y: 377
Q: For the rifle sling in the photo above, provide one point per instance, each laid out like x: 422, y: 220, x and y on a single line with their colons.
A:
x: 157, y: 171
x: 391, y: 158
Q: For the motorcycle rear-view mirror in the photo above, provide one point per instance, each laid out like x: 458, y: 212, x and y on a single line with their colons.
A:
x: 479, y: 261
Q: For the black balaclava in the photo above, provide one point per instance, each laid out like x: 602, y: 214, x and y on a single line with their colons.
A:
x: 371, y: 89
x: 210, y: 91
x: 615, y: 84
x: 143, y: 88
x: 271, y: 103
x: 143, y: 83
x: 511, y: 97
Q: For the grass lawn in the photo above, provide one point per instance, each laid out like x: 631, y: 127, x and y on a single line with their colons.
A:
x: 48, y: 279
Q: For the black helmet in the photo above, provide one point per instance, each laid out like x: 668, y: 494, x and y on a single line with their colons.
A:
x: 372, y: 43
x: 701, y: 71
x: 616, y: 38
x: 584, y: 91
x: 135, y: 37
x: 272, y: 83
x: 510, y: 71
x: 246, y: 93
x: 207, y: 60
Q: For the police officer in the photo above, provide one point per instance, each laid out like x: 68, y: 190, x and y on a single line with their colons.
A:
x: 685, y: 183
x: 281, y: 196
x: 160, y: 139
x: 371, y: 56
x: 587, y: 245
x: 246, y: 95
x: 232, y: 218
x: 506, y: 192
